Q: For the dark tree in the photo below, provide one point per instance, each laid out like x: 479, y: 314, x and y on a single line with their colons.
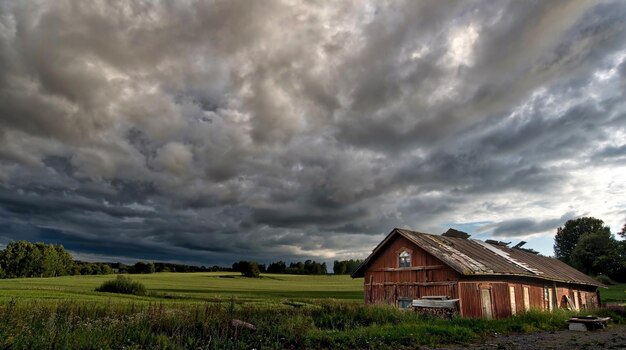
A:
x: 142, y: 267
x: 567, y: 236
x: 247, y: 268
x: 345, y: 267
x: 339, y: 267
x: 65, y: 260
x: 277, y: 267
x: 25, y: 259
x: 296, y: 268
x: 599, y: 253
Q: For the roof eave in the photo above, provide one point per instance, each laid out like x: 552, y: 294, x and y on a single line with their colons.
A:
x: 538, y: 277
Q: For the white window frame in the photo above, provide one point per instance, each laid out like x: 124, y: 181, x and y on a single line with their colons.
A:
x: 404, y: 259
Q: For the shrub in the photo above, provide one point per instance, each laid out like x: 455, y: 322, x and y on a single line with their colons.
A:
x: 122, y: 285
x: 247, y: 268
x: 604, y: 279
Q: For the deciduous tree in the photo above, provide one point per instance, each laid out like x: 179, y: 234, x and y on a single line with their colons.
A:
x: 567, y: 236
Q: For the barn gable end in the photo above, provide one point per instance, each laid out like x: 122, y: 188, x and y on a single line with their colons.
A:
x: 387, y: 282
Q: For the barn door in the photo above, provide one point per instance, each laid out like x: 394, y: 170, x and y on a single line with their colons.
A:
x: 512, y: 299
x: 526, y: 299
x: 576, y: 301
x: 486, y: 297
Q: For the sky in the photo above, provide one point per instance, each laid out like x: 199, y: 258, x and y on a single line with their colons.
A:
x: 208, y: 132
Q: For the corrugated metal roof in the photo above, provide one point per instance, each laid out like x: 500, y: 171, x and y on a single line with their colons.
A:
x: 474, y: 257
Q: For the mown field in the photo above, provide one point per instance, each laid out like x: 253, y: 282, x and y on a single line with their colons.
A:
x: 196, y: 310
x: 614, y: 294
x: 190, y: 288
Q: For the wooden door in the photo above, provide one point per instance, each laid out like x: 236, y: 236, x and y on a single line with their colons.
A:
x: 512, y: 299
x: 526, y: 299
x: 486, y: 298
x: 550, y: 300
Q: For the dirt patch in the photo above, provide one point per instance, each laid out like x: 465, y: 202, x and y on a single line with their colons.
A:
x: 614, y: 337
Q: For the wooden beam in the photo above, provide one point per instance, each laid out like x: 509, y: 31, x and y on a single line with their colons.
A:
x: 447, y: 304
x: 413, y: 268
x: 440, y: 283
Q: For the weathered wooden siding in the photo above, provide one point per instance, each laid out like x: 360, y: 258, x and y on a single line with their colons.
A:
x: 472, y: 304
x: 519, y: 298
x: 385, y: 282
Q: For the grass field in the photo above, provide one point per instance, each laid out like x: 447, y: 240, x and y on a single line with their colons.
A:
x: 195, y: 311
x: 190, y: 288
x: 616, y: 293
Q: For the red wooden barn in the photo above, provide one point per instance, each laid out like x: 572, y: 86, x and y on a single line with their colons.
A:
x: 490, y: 279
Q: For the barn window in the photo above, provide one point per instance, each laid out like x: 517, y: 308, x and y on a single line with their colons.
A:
x: 404, y: 259
x: 405, y: 304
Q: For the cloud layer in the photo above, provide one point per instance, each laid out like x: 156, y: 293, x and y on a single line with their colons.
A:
x: 213, y: 131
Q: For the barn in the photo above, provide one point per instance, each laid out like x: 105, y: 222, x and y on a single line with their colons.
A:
x: 489, y: 278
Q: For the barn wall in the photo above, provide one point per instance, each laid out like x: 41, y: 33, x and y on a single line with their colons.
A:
x: 385, y: 282
x: 501, y: 306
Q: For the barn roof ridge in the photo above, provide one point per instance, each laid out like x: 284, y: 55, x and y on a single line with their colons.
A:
x: 472, y: 257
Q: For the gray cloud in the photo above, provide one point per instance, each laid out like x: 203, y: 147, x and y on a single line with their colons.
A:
x: 522, y: 227
x: 208, y: 132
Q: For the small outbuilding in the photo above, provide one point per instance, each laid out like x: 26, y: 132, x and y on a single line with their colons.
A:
x: 489, y: 279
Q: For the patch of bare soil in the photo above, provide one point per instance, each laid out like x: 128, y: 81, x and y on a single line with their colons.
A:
x: 613, y: 337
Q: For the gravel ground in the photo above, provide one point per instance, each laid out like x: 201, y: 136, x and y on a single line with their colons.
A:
x: 614, y: 337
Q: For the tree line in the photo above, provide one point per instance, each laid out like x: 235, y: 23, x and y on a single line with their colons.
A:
x: 346, y: 267
x: 588, y: 245
x: 253, y: 268
x: 26, y: 259
x: 141, y: 267
x: 308, y: 267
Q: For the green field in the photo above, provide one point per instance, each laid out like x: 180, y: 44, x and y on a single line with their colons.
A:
x: 615, y: 293
x: 189, y: 288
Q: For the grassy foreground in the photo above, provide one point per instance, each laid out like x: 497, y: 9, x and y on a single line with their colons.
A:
x: 196, y: 310
x: 318, y: 325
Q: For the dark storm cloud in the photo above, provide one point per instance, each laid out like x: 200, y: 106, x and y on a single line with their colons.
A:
x: 517, y: 228
x: 209, y: 132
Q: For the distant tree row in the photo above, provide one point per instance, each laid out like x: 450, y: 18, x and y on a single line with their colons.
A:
x: 87, y: 268
x: 588, y: 245
x: 308, y: 267
x: 150, y: 267
x: 346, y: 267
x: 25, y: 259
x: 140, y: 267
